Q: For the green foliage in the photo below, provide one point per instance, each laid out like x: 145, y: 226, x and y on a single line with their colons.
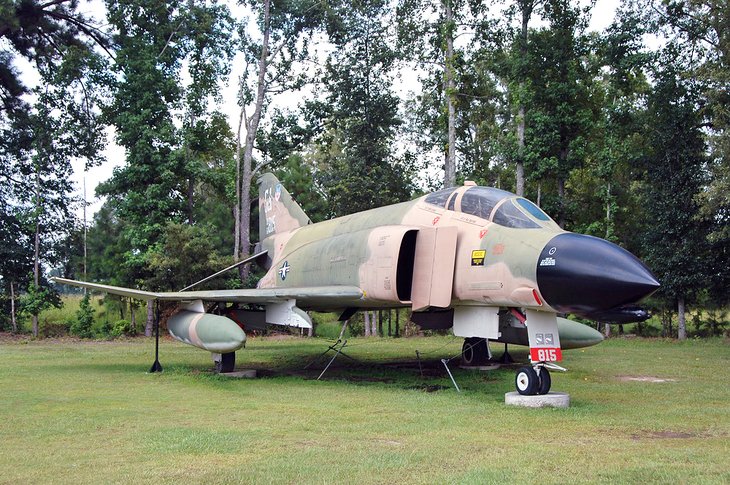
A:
x: 358, y: 168
x: 186, y: 255
x: 82, y: 326
x: 38, y: 298
x: 327, y: 326
x: 121, y: 327
x: 675, y: 244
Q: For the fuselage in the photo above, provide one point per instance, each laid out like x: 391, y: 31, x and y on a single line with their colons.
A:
x: 495, y: 249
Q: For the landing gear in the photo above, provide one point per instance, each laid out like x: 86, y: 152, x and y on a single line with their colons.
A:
x: 225, y: 362
x: 528, y: 381
x: 156, y: 366
x: 475, y: 352
x: 545, y: 381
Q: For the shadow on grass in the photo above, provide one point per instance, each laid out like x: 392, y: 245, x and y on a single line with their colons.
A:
x: 306, y: 360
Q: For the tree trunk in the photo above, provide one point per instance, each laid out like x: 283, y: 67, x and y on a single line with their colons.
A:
x: 450, y: 165
x: 682, y: 321
x: 252, y: 125
x: 191, y: 190
x: 366, y: 320
x: 526, y: 7
x: 609, y: 230
x: 397, y: 322
x: 520, y: 168
x: 133, y: 317
x: 375, y: 322
x: 237, y: 206
x: 150, y: 319
x: 561, y: 202
x: 86, y: 230
x: 607, y: 330
x: 36, y: 249
x: 12, y: 307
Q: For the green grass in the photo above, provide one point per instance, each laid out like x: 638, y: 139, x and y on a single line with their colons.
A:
x: 86, y: 412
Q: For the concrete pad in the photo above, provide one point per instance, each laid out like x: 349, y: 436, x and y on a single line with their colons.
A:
x: 241, y: 374
x: 549, y: 400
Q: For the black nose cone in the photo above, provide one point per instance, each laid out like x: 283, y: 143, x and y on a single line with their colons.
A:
x: 584, y: 274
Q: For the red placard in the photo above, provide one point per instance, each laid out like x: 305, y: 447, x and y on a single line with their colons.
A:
x: 546, y: 354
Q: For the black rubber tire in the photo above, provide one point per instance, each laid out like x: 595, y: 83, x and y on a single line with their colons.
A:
x: 545, y: 381
x: 227, y: 363
x: 474, y: 352
x: 526, y: 381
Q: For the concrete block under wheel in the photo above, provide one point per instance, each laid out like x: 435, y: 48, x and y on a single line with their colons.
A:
x: 549, y: 400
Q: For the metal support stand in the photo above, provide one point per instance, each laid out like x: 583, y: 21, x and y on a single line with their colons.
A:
x: 336, y: 348
x: 157, y: 367
x: 445, y: 362
x: 338, y: 351
x: 506, y: 358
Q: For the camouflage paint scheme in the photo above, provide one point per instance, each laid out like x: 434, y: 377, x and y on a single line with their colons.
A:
x: 362, y: 250
x: 482, y: 261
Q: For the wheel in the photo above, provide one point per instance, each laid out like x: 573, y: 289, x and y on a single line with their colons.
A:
x: 545, y: 381
x: 226, y: 363
x: 526, y: 381
x: 474, y: 352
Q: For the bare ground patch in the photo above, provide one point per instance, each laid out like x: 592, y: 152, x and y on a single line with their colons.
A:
x: 663, y: 435
x: 652, y: 379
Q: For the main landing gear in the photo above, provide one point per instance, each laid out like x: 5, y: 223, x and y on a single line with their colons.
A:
x: 533, y: 380
x: 475, y: 352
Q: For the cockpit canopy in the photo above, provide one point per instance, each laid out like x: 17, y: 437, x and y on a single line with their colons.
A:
x: 495, y: 205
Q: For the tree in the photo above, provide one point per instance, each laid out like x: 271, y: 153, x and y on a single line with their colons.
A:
x: 602, y: 187
x: 432, y: 44
x: 285, y: 28
x: 39, y: 139
x: 187, y: 255
x: 675, y: 245
x: 562, y: 110
x: 359, y: 169
x: 148, y: 191
x: 518, y: 80
x: 284, y: 146
x: 165, y: 164
x: 703, y: 26
x: 206, y: 144
x: 81, y: 327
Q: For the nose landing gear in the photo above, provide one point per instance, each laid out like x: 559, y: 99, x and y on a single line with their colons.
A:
x: 534, y: 380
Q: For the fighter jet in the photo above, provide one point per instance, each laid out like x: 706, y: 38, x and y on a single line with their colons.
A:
x: 483, y: 262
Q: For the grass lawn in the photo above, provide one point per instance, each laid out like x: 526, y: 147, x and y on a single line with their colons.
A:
x: 87, y: 412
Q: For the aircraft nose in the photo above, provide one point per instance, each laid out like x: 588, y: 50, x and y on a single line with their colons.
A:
x: 584, y: 274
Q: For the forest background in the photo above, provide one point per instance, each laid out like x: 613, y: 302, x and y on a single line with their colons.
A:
x: 620, y: 133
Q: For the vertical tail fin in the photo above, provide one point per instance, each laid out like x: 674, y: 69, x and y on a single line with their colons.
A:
x: 277, y: 210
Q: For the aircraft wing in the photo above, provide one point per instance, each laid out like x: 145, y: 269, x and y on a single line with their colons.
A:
x: 310, y: 296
